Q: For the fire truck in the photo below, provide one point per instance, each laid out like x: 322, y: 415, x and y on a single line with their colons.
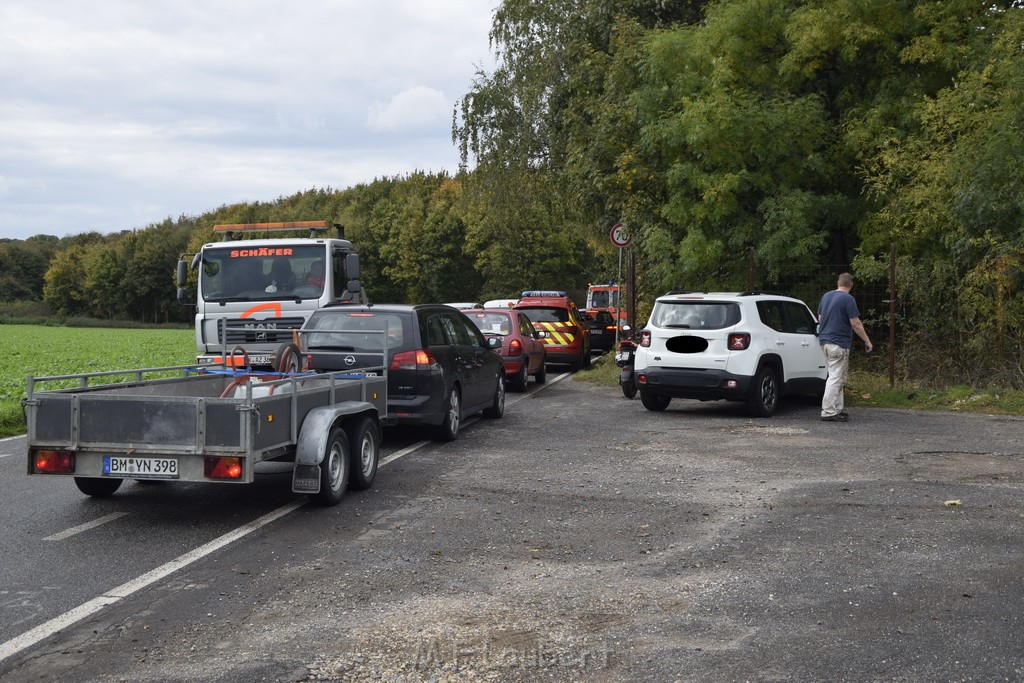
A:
x: 254, y: 293
x: 606, y: 298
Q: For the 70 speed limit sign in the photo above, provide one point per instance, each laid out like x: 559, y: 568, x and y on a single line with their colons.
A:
x: 620, y: 236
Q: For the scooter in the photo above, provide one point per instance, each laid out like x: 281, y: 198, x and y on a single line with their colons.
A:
x: 624, y: 359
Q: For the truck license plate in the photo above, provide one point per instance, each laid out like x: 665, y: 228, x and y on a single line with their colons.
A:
x: 140, y: 468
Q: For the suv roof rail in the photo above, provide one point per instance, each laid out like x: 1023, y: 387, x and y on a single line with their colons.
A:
x: 685, y: 291
x: 758, y: 292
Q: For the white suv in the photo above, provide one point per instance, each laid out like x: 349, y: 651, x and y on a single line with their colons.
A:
x: 748, y: 346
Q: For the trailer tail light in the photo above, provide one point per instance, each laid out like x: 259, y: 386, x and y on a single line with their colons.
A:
x: 738, y: 341
x: 222, y: 468
x: 411, y: 360
x: 54, y: 462
x: 515, y: 347
x: 645, y: 338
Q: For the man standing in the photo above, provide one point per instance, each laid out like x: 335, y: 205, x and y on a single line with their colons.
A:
x: 838, y: 319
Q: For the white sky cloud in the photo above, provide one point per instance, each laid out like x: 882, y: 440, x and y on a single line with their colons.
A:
x: 115, y: 114
x: 415, y: 108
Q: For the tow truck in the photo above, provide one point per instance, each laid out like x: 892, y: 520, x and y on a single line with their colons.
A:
x: 254, y: 293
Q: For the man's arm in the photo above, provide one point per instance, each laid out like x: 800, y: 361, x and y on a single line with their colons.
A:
x: 858, y: 327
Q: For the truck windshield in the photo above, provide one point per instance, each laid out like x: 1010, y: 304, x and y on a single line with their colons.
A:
x: 263, y: 273
x: 603, y: 298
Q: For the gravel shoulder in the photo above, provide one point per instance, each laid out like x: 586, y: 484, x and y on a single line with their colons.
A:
x: 583, y: 538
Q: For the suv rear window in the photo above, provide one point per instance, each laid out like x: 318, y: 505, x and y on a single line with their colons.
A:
x: 546, y: 315
x: 695, y: 315
x: 359, y: 331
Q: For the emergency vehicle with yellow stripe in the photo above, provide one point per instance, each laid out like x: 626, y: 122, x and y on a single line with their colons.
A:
x: 568, y: 338
x: 254, y: 293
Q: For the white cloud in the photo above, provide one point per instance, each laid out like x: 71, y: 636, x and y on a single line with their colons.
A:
x: 117, y: 113
x: 415, y: 108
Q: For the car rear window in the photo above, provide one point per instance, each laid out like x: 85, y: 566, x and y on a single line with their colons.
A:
x: 359, y: 331
x: 546, y: 314
x: 492, y: 323
x: 695, y: 315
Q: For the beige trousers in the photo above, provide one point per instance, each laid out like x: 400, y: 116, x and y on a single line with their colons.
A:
x: 838, y: 360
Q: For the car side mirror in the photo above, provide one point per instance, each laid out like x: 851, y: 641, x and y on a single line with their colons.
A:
x: 493, y: 342
x: 540, y: 334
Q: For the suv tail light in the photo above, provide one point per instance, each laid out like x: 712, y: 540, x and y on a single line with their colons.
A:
x: 645, y: 338
x: 738, y: 341
x: 515, y: 347
x: 410, y: 360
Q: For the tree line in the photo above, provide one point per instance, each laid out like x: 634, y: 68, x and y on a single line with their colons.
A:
x: 803, y: 132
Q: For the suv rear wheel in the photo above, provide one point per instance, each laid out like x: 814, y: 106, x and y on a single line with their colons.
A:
x: 654, y: 402
x: 764, y: 393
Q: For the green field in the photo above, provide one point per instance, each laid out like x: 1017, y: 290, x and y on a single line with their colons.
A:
x: 47, y: 351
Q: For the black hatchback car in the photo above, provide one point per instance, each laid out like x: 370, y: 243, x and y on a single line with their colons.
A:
x: 440, y: 368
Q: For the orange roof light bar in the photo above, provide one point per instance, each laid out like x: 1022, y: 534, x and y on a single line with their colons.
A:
x: 271, y: 227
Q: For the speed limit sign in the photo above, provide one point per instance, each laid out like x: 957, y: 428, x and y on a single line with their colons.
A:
x: 620, y: 236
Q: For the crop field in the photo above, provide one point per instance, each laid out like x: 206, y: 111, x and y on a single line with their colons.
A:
x: 49, y: 351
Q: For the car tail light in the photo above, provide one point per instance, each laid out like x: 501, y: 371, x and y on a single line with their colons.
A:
x: 515, y: 347
x: 410, y: 360
x: 645, y: 338
x: 55, y: 462
x: 222, y: 468
x: 610, y: 328
x: 738, y: 341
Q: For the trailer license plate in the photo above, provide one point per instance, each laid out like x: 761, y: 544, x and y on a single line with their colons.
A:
x: 140, y: 468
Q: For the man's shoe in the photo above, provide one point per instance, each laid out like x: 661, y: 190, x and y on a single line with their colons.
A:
x: 845, y: 412
x: 838, y: 417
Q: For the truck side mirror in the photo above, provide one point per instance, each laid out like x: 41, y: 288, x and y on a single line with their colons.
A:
x: 182, y: 281
x: 352, y: 266
x: 352, y: 270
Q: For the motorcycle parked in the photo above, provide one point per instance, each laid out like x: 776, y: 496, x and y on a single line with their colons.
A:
x: 624, y: 359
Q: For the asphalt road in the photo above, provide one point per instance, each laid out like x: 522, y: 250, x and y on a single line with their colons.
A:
x: 580, y: 538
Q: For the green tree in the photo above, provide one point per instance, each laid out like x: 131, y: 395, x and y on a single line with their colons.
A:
x: 64, y: 291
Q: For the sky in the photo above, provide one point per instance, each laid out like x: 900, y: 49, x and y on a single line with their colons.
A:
x: 117, y: 114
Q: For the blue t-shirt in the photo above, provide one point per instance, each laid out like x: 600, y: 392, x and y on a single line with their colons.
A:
x: 834, y: 313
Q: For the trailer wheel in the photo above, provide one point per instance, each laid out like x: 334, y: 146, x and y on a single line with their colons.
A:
x: 334, y: 470
x: 97, y: 487
x: 365, y: 449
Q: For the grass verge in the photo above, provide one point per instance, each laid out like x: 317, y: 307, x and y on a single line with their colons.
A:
x: 866, y: 388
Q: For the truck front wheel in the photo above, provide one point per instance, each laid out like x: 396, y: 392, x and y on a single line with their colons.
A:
x: 334, y: 470
x: 97, y: 487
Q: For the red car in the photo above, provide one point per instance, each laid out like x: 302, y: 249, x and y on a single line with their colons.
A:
x: 521, y: 349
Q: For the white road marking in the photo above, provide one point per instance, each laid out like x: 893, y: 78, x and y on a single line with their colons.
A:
x: 47, y: 629
x: 68, y: 533
x: 86, y: 609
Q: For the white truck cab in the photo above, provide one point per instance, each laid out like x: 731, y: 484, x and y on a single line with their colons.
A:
x: 252, y: 294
